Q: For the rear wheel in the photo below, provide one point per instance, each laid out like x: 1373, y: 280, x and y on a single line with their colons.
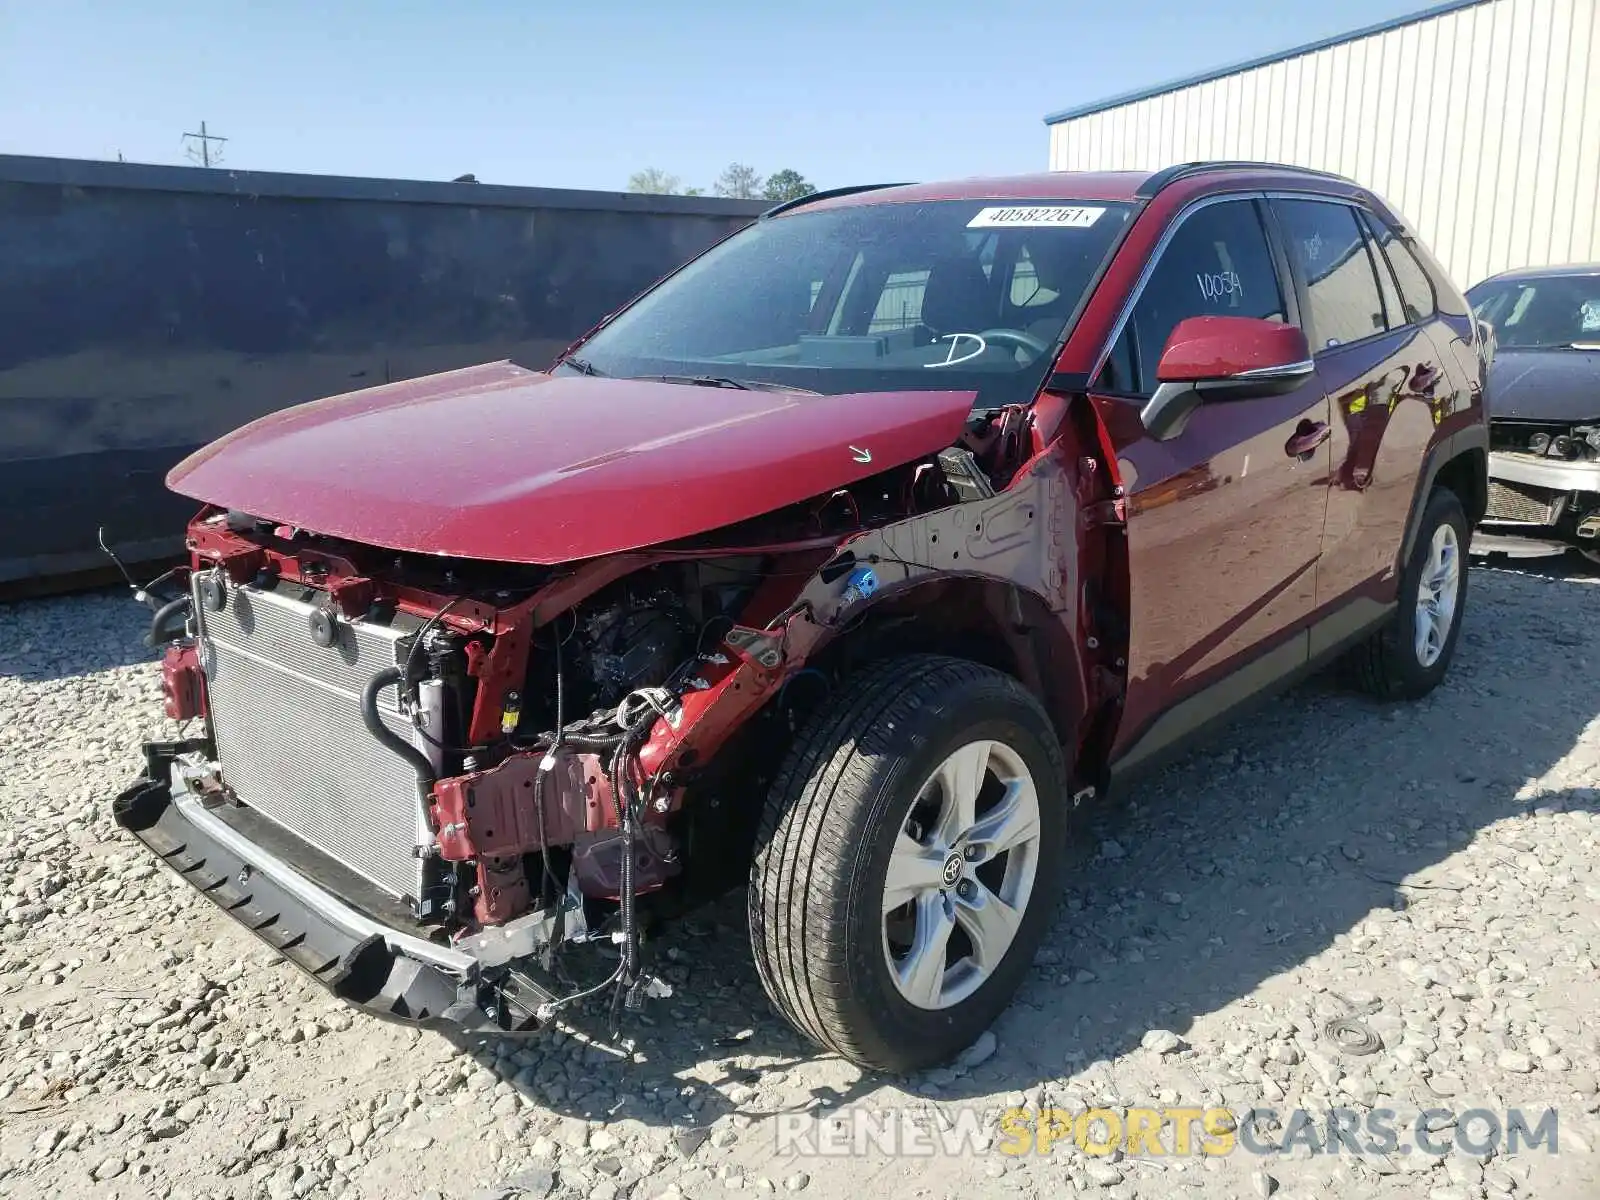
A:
x: 1406, y: 659
x: 909, y: 861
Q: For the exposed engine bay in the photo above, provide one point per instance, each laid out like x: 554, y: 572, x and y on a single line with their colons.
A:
x: 1544, y: 489
x: 560, y: 753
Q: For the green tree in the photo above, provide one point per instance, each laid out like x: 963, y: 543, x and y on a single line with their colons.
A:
x: 656, y: 181
x: 739, y: 181
x: 787, y: 184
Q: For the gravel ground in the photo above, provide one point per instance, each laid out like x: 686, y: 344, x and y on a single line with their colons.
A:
x: 1439, y: 860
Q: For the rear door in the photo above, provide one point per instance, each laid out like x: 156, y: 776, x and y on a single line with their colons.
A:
x: 1386, y: 378
x: 1225, y: 520
x: 1431, y: 301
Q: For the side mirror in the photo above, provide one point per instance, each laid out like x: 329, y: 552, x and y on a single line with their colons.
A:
x: 1223, y: 358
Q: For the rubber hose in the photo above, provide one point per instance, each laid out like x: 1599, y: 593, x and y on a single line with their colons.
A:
x: 158, y: 635
x: 390, y: 677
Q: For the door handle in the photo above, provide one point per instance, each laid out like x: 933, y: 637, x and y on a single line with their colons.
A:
x: 1308, y: 435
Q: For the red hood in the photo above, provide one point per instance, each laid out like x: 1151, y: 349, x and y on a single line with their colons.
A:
x: 499, y: 462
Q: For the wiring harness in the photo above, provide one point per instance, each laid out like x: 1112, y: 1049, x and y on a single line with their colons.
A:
x: 617, y: 736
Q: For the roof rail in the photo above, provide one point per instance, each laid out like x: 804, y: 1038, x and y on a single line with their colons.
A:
x: 829, y: 194
x: 1169, y: 175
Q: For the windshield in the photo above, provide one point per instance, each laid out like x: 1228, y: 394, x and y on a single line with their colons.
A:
x: 946, y: 295
x: 1555, y: 311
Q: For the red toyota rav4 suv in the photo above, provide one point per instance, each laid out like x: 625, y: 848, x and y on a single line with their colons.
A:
x: 839, y: 564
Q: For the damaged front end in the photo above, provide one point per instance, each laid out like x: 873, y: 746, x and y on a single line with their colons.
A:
x: 393, y: 790
x: 423, y: 779
x: 1544, y: 490
x: 176, y: 809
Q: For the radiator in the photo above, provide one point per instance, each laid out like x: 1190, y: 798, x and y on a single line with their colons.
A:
x: 286, y: 716
x: 1521, y: 503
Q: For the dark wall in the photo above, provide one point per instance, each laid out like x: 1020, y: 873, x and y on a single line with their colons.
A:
x: 146, y: 310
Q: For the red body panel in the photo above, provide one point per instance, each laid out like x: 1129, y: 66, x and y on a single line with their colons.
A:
x: 1220, y: 347
x: 1224, y: 532
x: 498, y: 462
x: 1235, y: 546
x: 1389, y: 395
x: 183, y: 691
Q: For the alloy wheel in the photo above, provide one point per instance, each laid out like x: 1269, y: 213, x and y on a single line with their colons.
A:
x: 1437, y: 592
x: 961, y: 875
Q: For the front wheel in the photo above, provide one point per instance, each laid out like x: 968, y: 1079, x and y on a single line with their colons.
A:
x: 1406, y: 659
x: 909, y: 861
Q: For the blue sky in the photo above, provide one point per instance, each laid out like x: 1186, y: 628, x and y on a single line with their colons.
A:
x: 582, y: 94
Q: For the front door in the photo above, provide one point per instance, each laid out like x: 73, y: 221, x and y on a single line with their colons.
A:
x: 1225, y: 520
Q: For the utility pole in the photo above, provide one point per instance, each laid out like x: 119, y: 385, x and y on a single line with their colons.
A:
x: 200, y: 148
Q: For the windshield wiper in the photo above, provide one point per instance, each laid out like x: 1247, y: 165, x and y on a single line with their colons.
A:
x: 699, y: 380
x: 583, y: 366
x: 724, y: 381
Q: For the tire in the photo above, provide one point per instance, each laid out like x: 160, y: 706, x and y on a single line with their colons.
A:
x: 832, y: 824
x: 1393, y: 664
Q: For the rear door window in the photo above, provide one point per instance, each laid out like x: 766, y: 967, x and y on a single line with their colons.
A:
x: 1218, y: 263
x: 1416, y: 289
x: 1329, y: 252
x: 1415, y: 285
x: 1394, y: 305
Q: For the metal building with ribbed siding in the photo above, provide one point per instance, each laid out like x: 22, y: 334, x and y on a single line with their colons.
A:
x: 1478, y: 119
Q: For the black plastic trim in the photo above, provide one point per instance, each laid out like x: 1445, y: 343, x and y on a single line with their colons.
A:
x: 1270, y: 674
x: 1178, y: 726
x: 1445, y: 450
x: 1167, y: 176
x: 363, y: 971
x: 830, y: 194
x: 1067, y: 382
